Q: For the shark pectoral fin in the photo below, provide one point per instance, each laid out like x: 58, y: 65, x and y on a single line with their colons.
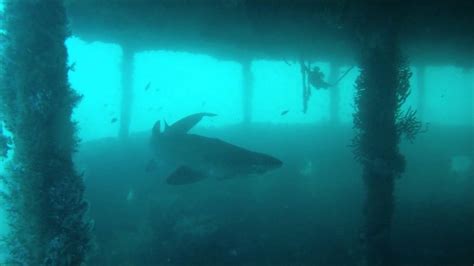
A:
x: 184, y: 175
x: 156, y: 129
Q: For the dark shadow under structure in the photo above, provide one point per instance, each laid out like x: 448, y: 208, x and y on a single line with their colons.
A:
x: 44, y: 198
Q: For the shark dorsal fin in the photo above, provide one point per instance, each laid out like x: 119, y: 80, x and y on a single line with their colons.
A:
x: 156, y: 129
x: 185, y: 124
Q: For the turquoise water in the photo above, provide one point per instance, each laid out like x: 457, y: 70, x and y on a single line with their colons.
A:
x: 183, y: 83
x: 309, y: 211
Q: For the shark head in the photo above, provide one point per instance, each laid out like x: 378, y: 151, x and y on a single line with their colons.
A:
x: 266, y: 163
x: 257, y: 163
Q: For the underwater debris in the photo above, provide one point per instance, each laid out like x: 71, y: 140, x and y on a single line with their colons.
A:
x: 113, y: 120
x: 284, y: 112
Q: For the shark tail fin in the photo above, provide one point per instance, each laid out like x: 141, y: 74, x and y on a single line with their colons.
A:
x: 156, y: 129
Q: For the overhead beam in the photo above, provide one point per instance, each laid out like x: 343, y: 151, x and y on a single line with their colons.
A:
x: 275, y: 29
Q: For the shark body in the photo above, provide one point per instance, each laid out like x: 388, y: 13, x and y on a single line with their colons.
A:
x: 194, y: 157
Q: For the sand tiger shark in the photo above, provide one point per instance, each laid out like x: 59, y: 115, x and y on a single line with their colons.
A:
x: 194, y: 157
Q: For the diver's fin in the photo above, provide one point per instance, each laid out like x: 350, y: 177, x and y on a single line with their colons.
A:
x: 183, y: 125
x: 184, y: 175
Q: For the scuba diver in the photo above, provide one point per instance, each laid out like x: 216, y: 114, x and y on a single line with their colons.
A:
x: 316, y: 78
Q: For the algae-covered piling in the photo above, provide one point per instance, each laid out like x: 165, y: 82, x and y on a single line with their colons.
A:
x: 45, y: 205
x: 382, y: 88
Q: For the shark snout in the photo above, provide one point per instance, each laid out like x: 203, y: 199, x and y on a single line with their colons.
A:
x: 266, y: 163
x: 275, y: 163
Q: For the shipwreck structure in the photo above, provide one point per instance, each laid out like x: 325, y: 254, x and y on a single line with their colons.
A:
x: 381, y: 37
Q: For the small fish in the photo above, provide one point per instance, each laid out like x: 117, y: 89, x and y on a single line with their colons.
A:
x: 113, y: 120
x: 147, y: 86
x: 284, y: 112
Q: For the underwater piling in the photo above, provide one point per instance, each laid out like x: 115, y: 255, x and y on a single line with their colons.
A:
x: 127, y: 91
x: 44, y: 193
x: 381, y: 89
x: 247, y: 90
x: 376, y: 95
